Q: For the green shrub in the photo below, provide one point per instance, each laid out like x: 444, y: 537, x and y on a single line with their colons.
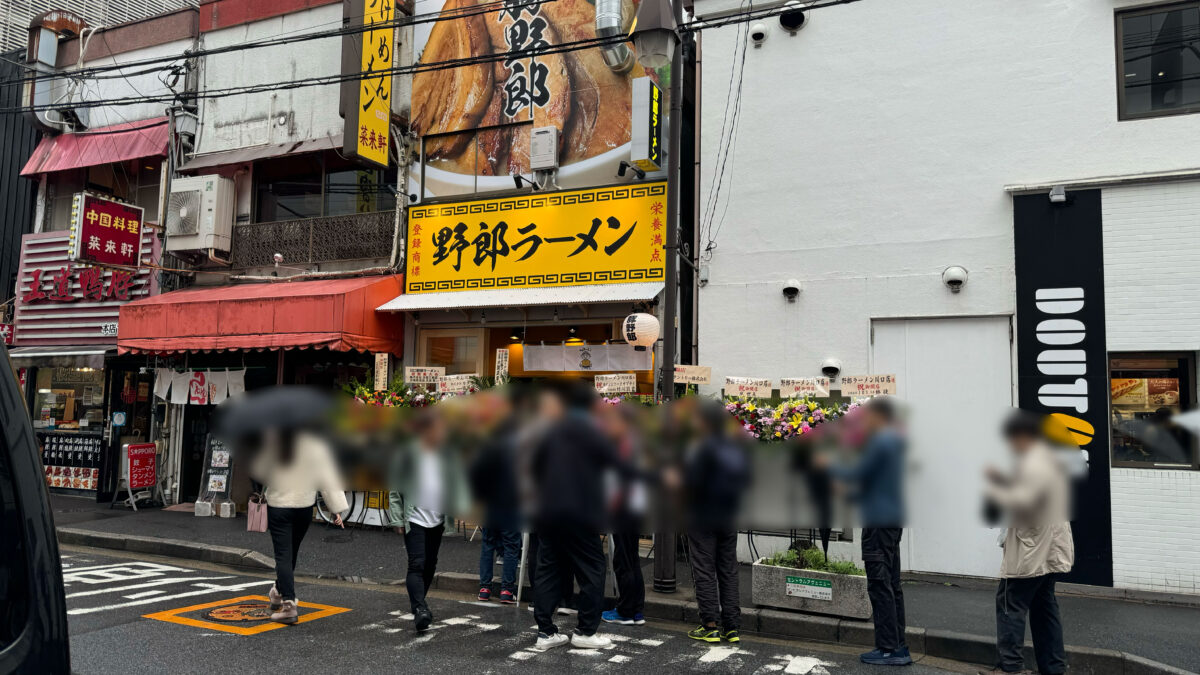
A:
x: 812, y: 559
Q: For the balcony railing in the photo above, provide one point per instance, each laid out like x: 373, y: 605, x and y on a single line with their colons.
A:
x: 360, y: 236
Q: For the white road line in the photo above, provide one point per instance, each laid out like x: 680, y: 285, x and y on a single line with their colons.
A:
x: 717, y: 654
x: 619, y: 659
x: 803, y: 665
x: 650, y: 643
x: 132, y: 603
x: 522, y: 655
x: 143, y: 594
x: 156, y: 582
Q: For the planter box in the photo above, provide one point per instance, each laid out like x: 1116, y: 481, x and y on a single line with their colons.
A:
x: 841, y: 595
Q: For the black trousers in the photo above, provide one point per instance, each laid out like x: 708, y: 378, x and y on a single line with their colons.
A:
x: 715, y: 575
x: 631, y: 586
x: 422, y: 544
x: 881, y: 554
x: 566, y: 576
x: 1032, y: 597
x: 287, y: 528
x: 564, y: 553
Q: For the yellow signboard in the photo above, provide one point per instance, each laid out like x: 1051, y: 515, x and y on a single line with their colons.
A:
x: 569, y: 238
x: 374, y: 100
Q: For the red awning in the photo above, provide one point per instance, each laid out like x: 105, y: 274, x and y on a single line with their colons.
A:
x: 336, y: 314
x: 106, y: 145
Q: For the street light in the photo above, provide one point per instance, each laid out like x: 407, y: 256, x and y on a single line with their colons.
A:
x: 654, y: 34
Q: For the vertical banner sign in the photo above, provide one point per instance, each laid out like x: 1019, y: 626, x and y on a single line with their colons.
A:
x: 647, y: 124
x: 1062, y: 359
x: 367, y: 101
x: 105, y: 232
x: 501, y: 364
x: 381, y: 371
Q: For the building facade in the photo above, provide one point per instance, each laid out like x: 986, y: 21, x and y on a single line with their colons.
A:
x: 905, y: 142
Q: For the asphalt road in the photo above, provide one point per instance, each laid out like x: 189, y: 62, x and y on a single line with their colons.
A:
x: 366, y: 629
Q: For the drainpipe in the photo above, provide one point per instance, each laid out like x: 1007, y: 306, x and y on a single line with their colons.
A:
x: 610, y: 23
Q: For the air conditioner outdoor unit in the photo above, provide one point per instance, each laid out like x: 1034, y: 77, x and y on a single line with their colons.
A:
x: 200, y: 214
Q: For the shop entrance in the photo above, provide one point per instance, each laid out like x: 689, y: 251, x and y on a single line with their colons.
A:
x: 955, y: 375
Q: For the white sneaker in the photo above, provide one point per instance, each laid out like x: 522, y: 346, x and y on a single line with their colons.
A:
x: 594, y: 641
x: 567, y: 611
x: 547, y: 642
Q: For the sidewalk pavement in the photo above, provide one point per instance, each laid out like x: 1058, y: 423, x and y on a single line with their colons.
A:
x: 1168, y: 634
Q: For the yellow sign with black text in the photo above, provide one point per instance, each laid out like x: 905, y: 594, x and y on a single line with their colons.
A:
x: 369, y: 115
x: 568, y: 238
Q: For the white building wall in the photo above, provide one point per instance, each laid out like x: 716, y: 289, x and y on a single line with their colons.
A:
x: 1152, y: 303
x: 872, y: 151
x: 275, y: 117
x: 132, y: 83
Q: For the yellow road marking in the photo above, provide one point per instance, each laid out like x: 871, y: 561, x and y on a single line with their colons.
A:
x: 173, y: 616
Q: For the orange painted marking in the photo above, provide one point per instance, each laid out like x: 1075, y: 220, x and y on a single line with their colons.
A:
x: 173, y: 616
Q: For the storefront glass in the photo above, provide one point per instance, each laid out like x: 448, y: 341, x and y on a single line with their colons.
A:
x: 1147, y: 391
x: 69, y: 398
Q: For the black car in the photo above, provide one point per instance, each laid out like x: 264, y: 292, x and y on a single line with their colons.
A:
x: 33, y: 609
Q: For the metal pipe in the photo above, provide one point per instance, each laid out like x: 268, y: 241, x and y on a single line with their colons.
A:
x: 313, y: 275
x: 610, y: 23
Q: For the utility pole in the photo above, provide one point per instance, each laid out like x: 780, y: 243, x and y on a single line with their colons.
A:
x: 665, y: 538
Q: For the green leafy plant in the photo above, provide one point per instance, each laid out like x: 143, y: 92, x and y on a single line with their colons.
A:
x: 812, y: 559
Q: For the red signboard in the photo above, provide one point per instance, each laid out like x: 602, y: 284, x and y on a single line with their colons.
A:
x: 105, y: 232
x: 61, y: 303
x: 141, y: 465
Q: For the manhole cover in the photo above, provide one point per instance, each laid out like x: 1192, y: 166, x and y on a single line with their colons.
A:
x: 243, y: 611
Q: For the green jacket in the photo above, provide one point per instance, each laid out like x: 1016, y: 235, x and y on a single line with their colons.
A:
x: 403, y: 481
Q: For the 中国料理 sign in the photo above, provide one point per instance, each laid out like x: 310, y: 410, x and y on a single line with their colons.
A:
x: 574, y: 237
x: 105, y: 231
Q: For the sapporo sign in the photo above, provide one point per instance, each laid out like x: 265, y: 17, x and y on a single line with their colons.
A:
x: 367, y: 101
x: 574, y: 237
x: 105, y: 232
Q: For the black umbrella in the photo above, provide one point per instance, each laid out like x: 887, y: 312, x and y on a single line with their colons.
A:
x: 279, y: 407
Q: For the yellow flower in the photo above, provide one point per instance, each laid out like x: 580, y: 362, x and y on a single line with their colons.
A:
x: 810, y: 419
x: 750, y: 407
x: 778, y: 434
x: 796, y: 421
x: 812, y: 406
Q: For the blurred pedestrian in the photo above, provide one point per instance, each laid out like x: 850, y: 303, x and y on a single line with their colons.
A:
x: 716, y: 474
x: 568, y: 466
x: 494, y: 484
x: 877, y: 478
x: 1037, y: 547
x: 627, y: 505
x: 430, y: 491
x: 294, y: 465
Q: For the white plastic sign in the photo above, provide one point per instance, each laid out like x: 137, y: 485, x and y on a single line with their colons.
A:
x: 803, y: 387
x: 616, y: 383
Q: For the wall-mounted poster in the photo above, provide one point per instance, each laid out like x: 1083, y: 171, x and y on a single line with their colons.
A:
x: 587, y: 94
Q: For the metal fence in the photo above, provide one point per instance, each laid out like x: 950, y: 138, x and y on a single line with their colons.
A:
x: 314, y: 240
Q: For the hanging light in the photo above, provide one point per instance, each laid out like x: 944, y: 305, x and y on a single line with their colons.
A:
x: 517, y: 334
x: 640, y: 330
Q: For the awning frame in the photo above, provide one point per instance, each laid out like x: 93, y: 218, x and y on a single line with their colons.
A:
x: 61, y: 356
x: 489, y: 298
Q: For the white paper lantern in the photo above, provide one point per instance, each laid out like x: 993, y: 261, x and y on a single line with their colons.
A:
x: 640, y: 330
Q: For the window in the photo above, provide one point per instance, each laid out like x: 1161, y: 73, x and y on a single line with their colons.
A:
x: 1158, y: 61
x: 316, y: 185
x: 1147, y: 391
x: 459, y: 351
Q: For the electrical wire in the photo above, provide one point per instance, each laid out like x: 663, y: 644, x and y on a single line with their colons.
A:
x: 561, y: 48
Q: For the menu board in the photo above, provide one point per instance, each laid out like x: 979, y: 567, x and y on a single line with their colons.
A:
x: 71, y: 460
x: 216, y: 481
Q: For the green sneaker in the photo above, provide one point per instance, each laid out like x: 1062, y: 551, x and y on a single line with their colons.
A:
x: 705, y: 634
x: 731, y: 636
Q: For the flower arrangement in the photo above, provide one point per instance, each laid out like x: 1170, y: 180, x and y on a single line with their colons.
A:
x: 791, y: 418
x: 399, y: 395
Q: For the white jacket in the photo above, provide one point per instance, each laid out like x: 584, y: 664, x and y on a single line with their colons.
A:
x: 295, y: 484
x: 1038, y: 540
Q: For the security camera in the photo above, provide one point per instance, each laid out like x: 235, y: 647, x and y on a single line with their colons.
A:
x: 791, y: 289
x: 278, y: 258
x: 793, y: 17
x: 830, y: 368
x: 758, y: 33
x: 955, y: 278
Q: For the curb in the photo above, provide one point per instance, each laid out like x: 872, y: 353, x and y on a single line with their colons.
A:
x: 174, y: 548
x: 950, y: 645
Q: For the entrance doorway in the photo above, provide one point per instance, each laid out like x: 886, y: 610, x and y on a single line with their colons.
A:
x: 955, y: 375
